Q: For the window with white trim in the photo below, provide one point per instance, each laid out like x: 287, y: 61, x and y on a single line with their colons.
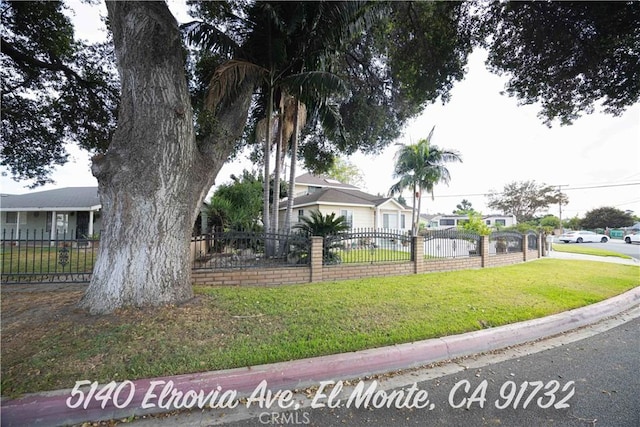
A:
x: 348, y: 215
x: 12, y: 217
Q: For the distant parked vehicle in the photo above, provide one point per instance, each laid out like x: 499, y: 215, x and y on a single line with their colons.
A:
x: 583, y: 236
x: 632, y: 238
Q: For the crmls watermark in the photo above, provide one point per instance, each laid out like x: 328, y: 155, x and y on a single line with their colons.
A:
x: 284, y: 418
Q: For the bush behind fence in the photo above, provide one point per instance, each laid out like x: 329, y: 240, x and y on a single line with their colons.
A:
x: 502, y: 242
x: 249, y: 249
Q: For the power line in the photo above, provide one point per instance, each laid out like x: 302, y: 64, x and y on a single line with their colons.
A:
x: 564, y: 185
x: 603, y: 186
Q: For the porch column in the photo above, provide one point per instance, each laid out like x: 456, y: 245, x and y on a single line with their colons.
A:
x: 90, y: 224
x: 18, y: 225
x: 53, y: 235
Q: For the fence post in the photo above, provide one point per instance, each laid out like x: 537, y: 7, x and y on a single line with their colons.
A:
x: 525, y: 246
x: 417, y: 254
x: 484, y: 251
x: 317, y: 243
x: 540, y: 243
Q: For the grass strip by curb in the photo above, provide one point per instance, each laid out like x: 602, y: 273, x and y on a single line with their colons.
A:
x: 47, y: 343
x: 585, y: 250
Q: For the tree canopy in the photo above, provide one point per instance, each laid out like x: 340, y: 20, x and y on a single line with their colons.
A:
x: 525, y: 199
x: 606, y: 217
x: 55, y: 90
x: 464, y: 208
x: 568, y: 56
x: 346, y: 172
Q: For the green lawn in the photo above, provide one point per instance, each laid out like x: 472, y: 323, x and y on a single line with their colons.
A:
x: 576, y: 248
x: 372, y: 255
x: 48, y: 344
x: 30, y: 259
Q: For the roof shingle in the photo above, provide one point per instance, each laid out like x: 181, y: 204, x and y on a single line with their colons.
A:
x: 61, y: 198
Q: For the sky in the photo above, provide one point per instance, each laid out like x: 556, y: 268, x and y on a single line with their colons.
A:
x: 596, y: 160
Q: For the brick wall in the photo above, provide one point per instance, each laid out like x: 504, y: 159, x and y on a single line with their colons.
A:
x: 317, y: 272
x: 430, y: 265
x: 503, y: 259
x: 355, y: 271
x: 256, y: 276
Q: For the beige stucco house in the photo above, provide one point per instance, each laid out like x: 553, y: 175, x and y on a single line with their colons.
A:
x: 362, y: 210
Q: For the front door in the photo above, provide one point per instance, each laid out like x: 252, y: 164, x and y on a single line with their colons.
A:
x: 82, y: 225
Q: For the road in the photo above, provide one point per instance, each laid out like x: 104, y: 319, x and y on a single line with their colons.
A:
x: 595, y: 369
x: 619, y: 246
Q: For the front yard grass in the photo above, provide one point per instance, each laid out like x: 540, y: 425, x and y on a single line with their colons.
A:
x: 47, y: 343
x: 576, y: 248
x: 361, y: 255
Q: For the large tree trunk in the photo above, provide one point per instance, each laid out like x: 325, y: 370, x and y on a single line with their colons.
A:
x: 154, y: 176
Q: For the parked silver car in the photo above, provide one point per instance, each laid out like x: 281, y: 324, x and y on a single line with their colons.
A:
x: 583, y: 236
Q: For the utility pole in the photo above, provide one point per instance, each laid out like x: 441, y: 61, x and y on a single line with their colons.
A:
x: 560, y: 202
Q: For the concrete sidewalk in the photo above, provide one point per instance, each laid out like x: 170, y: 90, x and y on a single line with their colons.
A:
x: 611, y: 259
x: 51, y: 408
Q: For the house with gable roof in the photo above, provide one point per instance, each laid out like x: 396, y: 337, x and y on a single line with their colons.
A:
x: 63, y: 213
x: 362, y: 210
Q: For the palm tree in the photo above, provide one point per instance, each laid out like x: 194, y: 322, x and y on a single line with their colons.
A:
x: 420, y: 167
x: 287, y: 46
x: 318, y: 224
x: 325, y: 226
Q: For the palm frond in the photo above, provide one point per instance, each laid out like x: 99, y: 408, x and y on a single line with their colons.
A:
x: 228, y: 77
x: 315, y: 85
x: 208, y: 37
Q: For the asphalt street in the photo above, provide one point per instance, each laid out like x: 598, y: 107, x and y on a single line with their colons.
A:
x: 589, y: 377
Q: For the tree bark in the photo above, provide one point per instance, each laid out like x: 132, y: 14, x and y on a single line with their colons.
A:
x: 154, y: 176
x: 276, y: 173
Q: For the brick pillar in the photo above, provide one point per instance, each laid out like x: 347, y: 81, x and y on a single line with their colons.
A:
x: 484, y: 251
x: 417, y: 254
x: 525, y: 246
x: 315, y: 262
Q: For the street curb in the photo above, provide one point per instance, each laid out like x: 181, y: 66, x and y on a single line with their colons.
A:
x: 50, y: 409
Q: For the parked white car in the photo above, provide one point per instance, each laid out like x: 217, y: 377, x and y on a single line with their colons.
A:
x: 583, y: 236
x: 632, y: 238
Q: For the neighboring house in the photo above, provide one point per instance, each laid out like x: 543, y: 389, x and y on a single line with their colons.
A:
x: 448, y: 221
x: 362, y: 210
x: 308, y: 183
x: 76, y: 211
x: 64, y: 213
x: 430, y: 221
x: 500, y: 220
